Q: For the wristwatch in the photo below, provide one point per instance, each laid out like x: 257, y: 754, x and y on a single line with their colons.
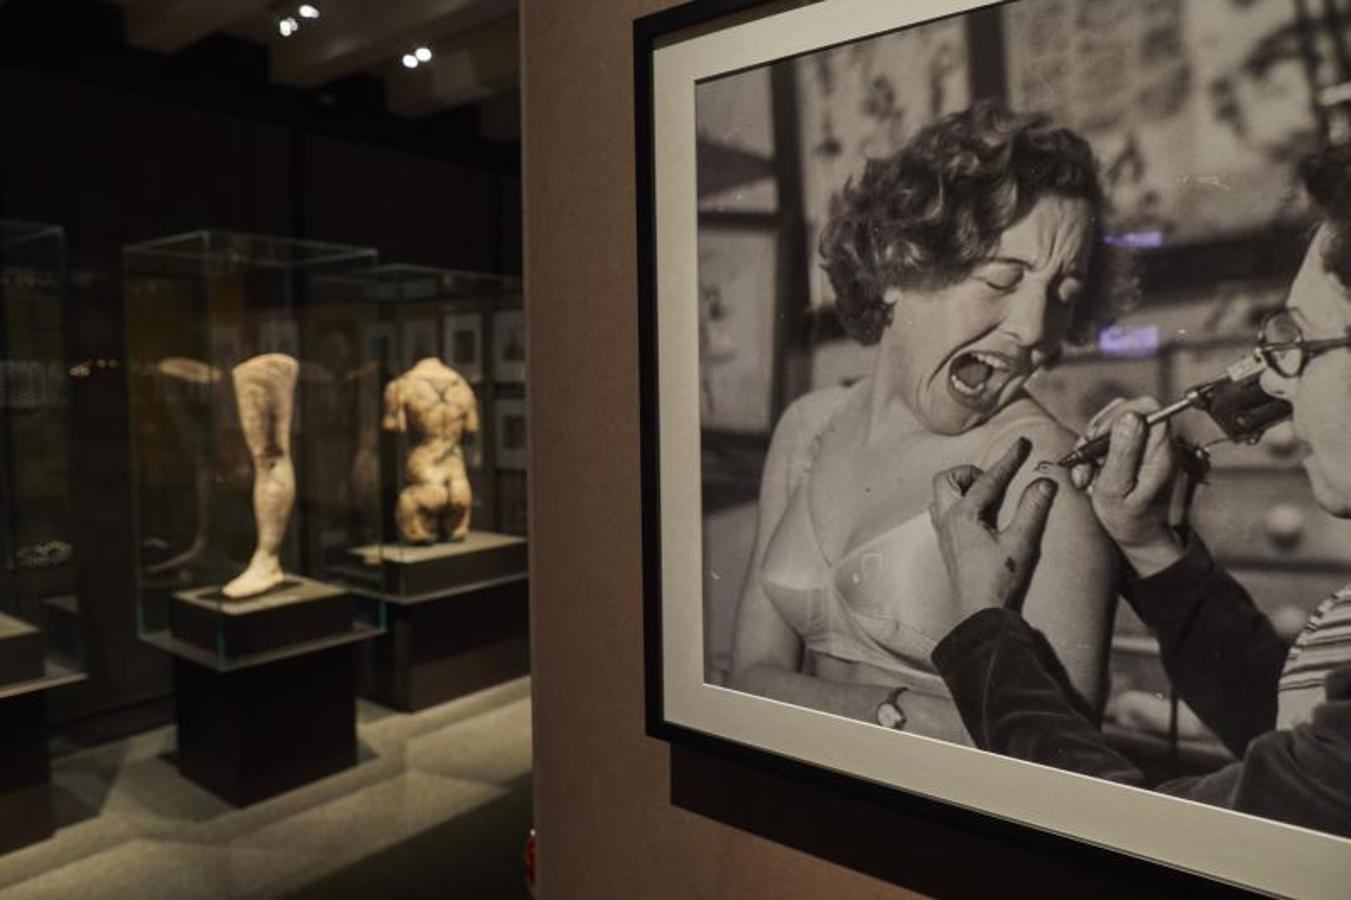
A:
x: 889, y: 713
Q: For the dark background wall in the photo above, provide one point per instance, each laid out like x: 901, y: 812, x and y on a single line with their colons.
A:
x: 619, y: 814
x: 118, y: 145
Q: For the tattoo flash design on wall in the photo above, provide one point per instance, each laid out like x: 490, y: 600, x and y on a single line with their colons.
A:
x: 509, y: 347
x: 421, y: 339
x: 884, y: 240
x: 510, y: 432
x: 736, y: 323
x: 463, y: 342
x: 1199, y: 112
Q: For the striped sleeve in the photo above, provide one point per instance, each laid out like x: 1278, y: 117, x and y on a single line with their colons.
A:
x: 1324, y: 644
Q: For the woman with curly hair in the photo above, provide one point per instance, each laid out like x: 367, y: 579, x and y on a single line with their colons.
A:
x: 967, y: 259
x: 1284, y: 711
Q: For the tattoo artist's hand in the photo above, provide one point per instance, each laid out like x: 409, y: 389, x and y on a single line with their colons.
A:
x: 1132, y: 491
x: 988, y: 567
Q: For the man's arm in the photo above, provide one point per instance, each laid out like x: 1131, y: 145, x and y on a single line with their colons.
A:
x: 1222, y: 655
x: 1015, y: 699
x: 1219, y: 650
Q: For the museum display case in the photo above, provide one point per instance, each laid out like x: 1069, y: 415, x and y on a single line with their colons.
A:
x: 247, y: 476
x: 447, y: 351
x: 39, y: 610
x: 246, y: 449
x: 41, y: 638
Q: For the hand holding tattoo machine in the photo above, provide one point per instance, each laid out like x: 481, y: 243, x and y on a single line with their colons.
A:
x: 1235, y: 401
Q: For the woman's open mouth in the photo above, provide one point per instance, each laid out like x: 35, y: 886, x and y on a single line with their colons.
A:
x: 976, y: 377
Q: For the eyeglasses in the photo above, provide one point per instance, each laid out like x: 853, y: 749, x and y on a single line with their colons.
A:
x: 1282, y: 345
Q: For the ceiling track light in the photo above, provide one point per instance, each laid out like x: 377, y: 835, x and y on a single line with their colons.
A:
x: 417, y: 57
x: 290, y: 17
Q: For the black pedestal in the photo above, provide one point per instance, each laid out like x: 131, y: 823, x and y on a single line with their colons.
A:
x: 413, y: 572
x: 21, y: 651
x: 62, y: 626
x: 25, y: 780
x: 439, y: 649
x: 298, y: 611
x: 248, y: 734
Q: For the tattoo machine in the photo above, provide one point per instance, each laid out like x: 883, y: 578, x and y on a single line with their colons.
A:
x: 1235, y: 401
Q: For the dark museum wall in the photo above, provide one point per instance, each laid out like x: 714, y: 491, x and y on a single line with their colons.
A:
x: 114, y: 165
x: 621, y: 815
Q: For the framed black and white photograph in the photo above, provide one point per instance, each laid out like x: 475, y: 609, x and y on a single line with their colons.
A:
x: 473, y: 450
x: 277, y: 334
x: 463, y: 340
x: 509, y: 433
x: 379, y: 338
x: 226, y: 343
x: 420, y: 339
x: 910, y: 275
x: 509, y: 347
x: 736, y: 270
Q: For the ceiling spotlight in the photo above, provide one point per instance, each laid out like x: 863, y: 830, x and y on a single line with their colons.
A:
x: 308, y: 11
x: 423, y: 54
x: 288, y: 26
x: 409, y: 61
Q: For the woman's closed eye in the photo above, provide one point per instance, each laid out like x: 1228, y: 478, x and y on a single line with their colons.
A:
x: 1002, y: 276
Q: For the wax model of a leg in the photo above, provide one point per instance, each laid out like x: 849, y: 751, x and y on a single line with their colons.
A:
x: 184, y: 382
x: 265, y: 393
x: 366, y: 461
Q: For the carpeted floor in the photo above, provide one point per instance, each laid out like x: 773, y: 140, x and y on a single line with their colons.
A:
x: 439, y: 806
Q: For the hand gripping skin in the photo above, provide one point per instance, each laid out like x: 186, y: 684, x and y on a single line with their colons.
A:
x: 265, y: 392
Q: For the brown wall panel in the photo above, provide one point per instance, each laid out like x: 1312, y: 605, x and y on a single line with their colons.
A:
x: 608, y: 826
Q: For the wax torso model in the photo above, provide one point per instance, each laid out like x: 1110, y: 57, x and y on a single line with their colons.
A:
x: 436, y: 407
x: 265, y: 393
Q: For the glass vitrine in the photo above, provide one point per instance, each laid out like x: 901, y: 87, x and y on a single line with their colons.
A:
x: 446, y: 349
x: 40, y: 632
x: 248, y: 448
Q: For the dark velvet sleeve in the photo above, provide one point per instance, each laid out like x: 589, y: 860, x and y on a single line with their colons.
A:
x: 1015, y: 698
x: 1220, y: 651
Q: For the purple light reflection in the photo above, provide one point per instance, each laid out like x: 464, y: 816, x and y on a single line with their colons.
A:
x: 1129, y: 340
x: 1136, y: 240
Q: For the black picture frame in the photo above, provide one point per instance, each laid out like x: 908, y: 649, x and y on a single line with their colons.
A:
x: 703, y: 17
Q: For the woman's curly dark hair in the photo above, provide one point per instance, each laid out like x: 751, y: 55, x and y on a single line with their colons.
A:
x: 1327, y: 175
x: 927, y: 215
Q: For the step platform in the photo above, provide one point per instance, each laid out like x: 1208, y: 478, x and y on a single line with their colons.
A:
x: 412, y: 570
x: 298, y: 611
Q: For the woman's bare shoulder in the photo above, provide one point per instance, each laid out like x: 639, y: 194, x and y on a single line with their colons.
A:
x: 807, y: 416
x: 1027, y: 418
